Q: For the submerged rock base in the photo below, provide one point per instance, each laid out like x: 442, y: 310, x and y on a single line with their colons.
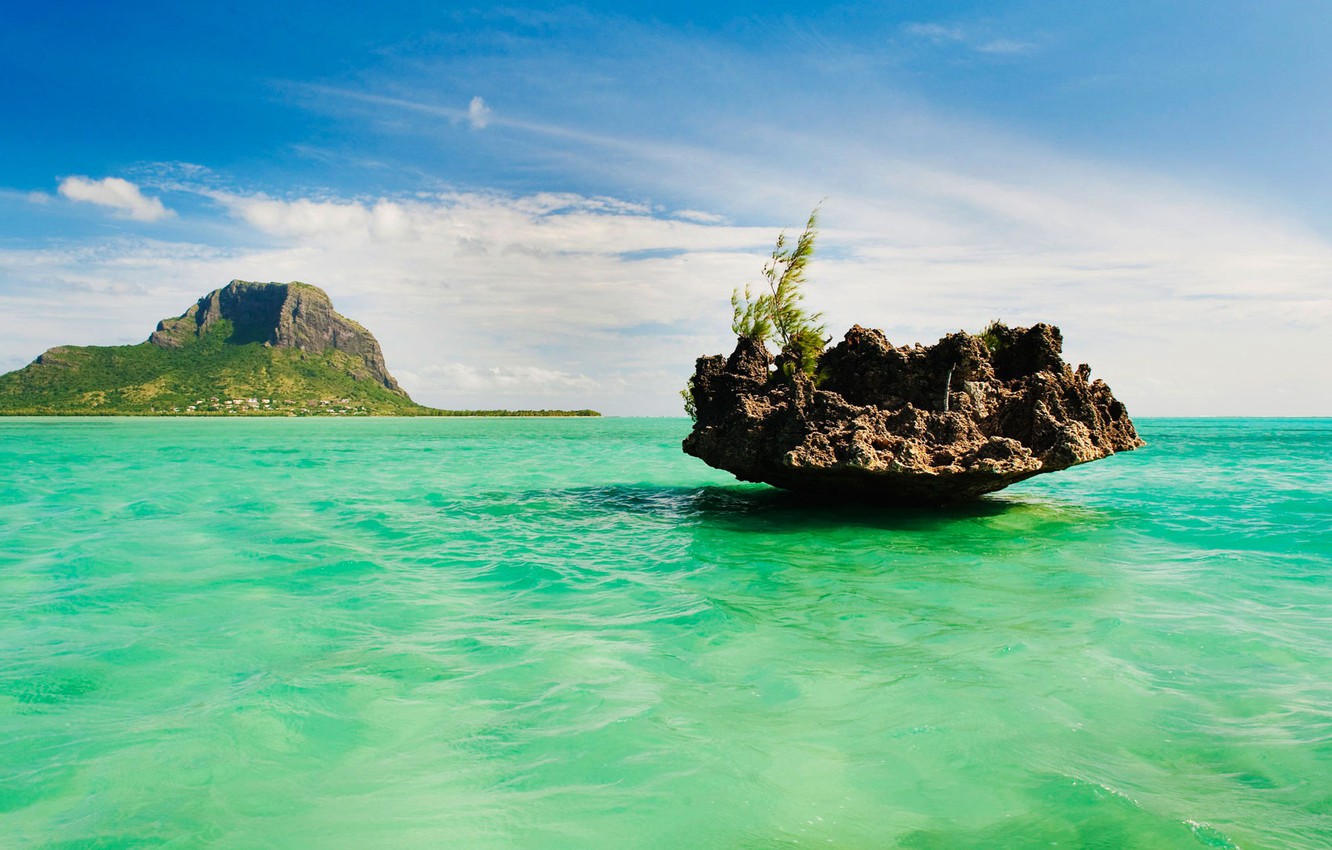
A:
x: 908, y: 425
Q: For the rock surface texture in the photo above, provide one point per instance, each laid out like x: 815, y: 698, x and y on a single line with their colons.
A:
x: 907, y: 425
x: 282, y: 315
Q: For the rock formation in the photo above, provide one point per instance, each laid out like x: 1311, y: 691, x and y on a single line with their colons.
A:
x: 910, y: 425
x: 281, y: 315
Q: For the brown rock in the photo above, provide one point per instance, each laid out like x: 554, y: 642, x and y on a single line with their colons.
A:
x: 913, y: 425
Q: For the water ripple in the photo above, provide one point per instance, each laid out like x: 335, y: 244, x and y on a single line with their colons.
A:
x: 558, y: 634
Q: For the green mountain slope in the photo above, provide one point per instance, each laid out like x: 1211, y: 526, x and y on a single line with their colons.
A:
x: 247, y: 349
x: 201, y: 376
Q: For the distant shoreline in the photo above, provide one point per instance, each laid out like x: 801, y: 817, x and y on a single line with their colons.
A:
x: 425, y: 413
x: 246, y: 349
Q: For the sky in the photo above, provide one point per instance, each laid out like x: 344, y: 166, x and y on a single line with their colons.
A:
x: 541, y: 207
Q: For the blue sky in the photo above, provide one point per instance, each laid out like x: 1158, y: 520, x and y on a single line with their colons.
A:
x: 549, y: 207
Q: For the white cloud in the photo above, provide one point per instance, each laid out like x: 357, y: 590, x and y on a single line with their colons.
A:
x: 478, y: 113
x: 1185, y: 303
x: 700, y: 216
x: 322, y: 220
x: 120, y: 195
x: 530, y: 381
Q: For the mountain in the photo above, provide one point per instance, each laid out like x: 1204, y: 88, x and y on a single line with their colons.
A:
x: 279, y: 315
x: 245, y: 349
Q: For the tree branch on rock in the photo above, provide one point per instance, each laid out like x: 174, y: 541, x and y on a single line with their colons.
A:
x: 779, y: 310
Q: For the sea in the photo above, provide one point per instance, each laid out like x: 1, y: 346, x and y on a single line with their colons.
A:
x: 565, y: 633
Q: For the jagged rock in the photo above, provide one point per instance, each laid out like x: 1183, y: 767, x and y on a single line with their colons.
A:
x: 282, y: 315
x: 911, y: 425
x: 57, y: 356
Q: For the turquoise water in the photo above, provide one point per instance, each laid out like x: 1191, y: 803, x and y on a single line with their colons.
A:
x: 567, y: 634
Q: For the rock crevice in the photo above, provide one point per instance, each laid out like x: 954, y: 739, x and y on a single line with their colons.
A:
x: 912, y: 425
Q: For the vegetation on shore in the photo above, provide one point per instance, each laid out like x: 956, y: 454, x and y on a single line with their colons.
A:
x: 209, y: 376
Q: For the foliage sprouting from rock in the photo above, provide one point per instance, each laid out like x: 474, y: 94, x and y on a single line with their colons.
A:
x: 995, y: 335
x: 779, y: 311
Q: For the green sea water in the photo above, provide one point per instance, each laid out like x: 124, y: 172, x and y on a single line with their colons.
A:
x: 567, y: 634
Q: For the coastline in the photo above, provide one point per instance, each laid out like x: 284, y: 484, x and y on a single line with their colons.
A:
x: 430, y: 413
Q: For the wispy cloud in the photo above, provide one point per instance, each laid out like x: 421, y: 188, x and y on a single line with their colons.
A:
x: 455, y: 115
x: 117, y: 194
x: 1005, y: 47
x: 31, y: 197
x: 967, y: 38
x: 937, y: 33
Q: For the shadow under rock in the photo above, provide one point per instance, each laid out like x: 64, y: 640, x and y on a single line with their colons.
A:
x: 767, y: 508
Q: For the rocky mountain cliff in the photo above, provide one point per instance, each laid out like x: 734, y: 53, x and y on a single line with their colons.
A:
x: 911, y: 425
x: 247, y: 348
x: 280, y: 315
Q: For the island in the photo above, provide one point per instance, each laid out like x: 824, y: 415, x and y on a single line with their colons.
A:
x: 247, y: 349
x: 919, y: 425
x: 869, y: 421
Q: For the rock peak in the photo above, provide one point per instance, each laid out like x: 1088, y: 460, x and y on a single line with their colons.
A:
x: 282, y: 315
